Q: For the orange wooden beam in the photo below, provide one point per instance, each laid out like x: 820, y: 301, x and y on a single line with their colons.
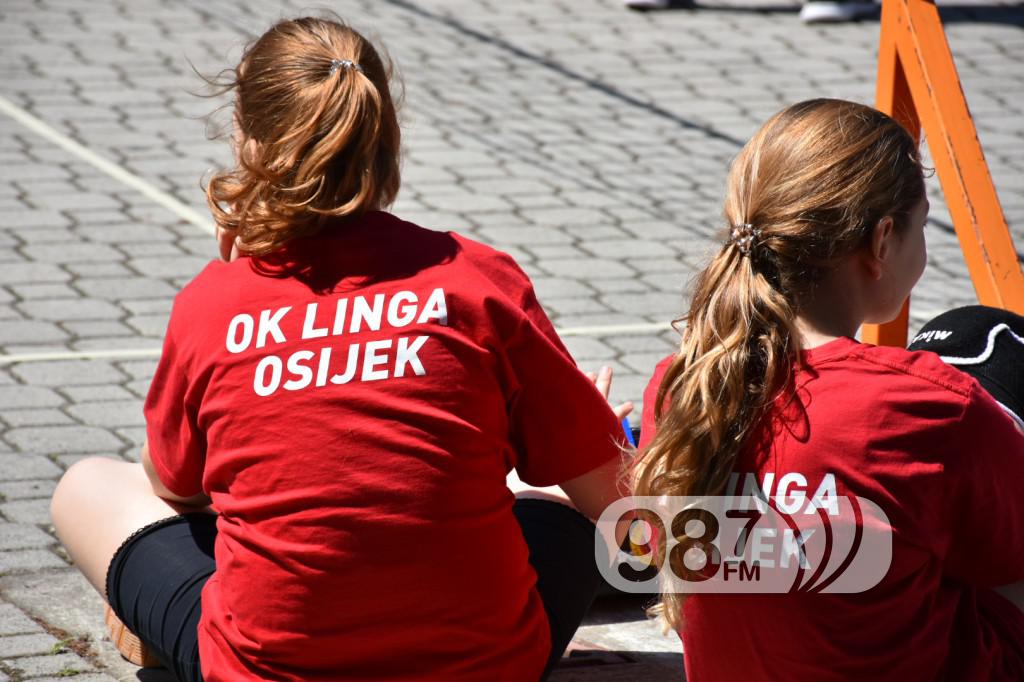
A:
x: 892, y: 95
x: 919, y: 86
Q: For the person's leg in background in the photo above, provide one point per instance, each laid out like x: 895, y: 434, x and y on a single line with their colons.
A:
x: 561, y: 542
x: 110, y: 520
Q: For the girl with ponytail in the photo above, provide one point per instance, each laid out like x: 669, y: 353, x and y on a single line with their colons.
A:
x: 826, y: 207
x: 339, y: 400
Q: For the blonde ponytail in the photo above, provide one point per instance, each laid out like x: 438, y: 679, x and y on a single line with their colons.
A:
x: 318, y: 136
x: 804, y: 191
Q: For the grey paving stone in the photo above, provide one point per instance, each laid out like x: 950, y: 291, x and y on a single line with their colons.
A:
x: 591, y: 269
x: 149, y: 325
x: 81, y: 252
x: 23, y: 490
x: 620, y: 286
x: 68, y: 372
x: 19, y: 396
x: 28, y: 511
x: 592, y: 233
x: 652, y: 304
x: 560, y: 251
x: 104, y: 219
x: 98, y: 329
x: 139, y: 387
x: 647, y: 343
x: 59, y: 666
x: 26, y: 645
x: 101, y: 677
x: 109, y: 413
x: 20, y: 466
x: 668, y: 281
x: 28, y: 560
x: 118, y: 288
x: 574, y: 306
x: 524, y: 235
x: 85, y: 394
x: 27, y: 291
x: 177, y: 266
x: 627, y: 248
x: 70, y: 309
x: 35, y: 417
x: 136, y: 437
x: 37, y: 235
x: 157, y: 248
x: 116, y: 230
x: 643, y: 363
x: 64, y: 599
x: 564, y: 216
x: 148, y: 306
x: 586, y: 348
x: 55, y: 439
x: 99, y: 269
x: 21, y: 535
x: 553, y: 287
x: 39, y: 218
x: 17, y: 273
x: 595, y: 320
x: 14, y: 622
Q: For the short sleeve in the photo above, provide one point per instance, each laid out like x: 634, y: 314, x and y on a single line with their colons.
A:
x: 648, y: 425
x: 560, y: 425
x: 177, y: 446
x: 986, y: 501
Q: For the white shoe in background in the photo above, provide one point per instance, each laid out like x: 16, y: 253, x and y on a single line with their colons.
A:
x: 830, y: 11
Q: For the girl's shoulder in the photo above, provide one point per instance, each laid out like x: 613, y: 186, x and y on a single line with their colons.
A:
x: 491, y: 261
x: 923, y: 369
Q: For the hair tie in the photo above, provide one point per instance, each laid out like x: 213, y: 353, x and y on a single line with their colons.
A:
x: 344, y: 64
x: 745, y: 237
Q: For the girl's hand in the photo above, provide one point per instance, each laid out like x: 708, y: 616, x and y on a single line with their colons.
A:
x: 227, y: 244
x: 603, y: 381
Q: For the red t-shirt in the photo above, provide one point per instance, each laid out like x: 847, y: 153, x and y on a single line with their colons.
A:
x: 928, y: 445
x: 352, y: 407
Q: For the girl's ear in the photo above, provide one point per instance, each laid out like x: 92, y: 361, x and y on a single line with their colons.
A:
x: 879, y: 246
x: 227, y: 244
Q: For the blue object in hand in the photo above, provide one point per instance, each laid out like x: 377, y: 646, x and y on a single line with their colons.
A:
x: 629, y: 431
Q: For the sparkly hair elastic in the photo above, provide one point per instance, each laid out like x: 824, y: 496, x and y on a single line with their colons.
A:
x: 745, y: 237
x: 344, y: 64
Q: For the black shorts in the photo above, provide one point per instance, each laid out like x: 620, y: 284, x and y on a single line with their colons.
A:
x: 156, y: 578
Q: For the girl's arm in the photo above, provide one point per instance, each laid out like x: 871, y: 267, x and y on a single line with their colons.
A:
x: 592, y: 492
x: 161, y: 490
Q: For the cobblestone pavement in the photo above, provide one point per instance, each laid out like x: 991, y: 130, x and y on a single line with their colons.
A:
x: 589, y: 142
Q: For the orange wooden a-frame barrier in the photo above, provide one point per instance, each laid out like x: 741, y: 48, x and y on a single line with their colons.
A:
x: 918, y: 86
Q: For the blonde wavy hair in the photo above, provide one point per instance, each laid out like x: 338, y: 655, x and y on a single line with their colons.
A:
x: 316, y: 134
x: 815, y: 180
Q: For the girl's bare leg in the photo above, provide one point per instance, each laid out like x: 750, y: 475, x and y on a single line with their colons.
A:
x: 525, y: 490
x: 98, y: 503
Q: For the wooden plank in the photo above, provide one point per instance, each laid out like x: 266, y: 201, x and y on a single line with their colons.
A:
x: 918, y: 85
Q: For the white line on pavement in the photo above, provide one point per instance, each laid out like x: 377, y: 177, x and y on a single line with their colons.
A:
x: 118, y: 353
x: 118, y: 173
x: 613, y: 329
